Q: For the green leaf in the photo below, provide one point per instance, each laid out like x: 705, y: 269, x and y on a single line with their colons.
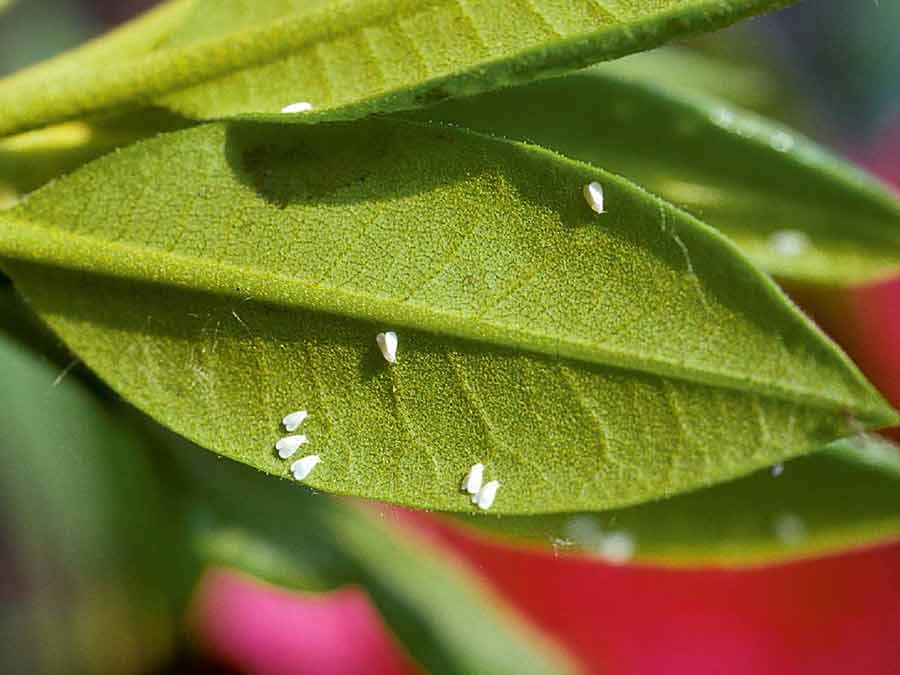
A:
x: 90, y: 543
x: 33, y: 158
x: 844, y: 497
x: 746, y: 176
x: 359, y: 56
x: 223, y: 276
x: 689, y: 71
x: 442, y: 599
x: 285, y: 534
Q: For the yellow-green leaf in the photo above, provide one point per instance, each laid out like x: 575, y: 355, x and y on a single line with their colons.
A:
x: 359, y: 56
x: 796, y: 210
x: 33, y: 158
x: 223, y: 276
x: 690, y: 71
x: 844, y: 497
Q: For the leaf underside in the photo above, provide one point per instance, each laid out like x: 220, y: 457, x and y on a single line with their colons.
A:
x: 136, y: 513
x: 353, y: 57
x: 31, y: 159
x: 747, y: 177
x: 844, y: 497
x: 231, y: 273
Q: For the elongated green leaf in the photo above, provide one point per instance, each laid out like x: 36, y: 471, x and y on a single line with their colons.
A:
x: 843, y: 497
x: 442, y: 599
x: 361, y: 55
x: 126, y: 44
x: 223, y: 276
x: 741, y: 174
x: 90, y: 544
x: 287, y: 535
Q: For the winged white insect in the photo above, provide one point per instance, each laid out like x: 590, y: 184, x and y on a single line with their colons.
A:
x: 299, y: 107
x: 387, y: 343
x: 288, y: 445
x: 593, y: 194
x: 790, y: 529
x: 617, y: 547
x: 472, y: 482
x: 304, y: 466
x: 293, y: 421
x: 789, y: 243
x: 486, y: 495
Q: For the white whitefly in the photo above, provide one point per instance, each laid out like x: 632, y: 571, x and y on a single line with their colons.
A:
x: 472, y: 482
x: 293, y: 421
x: 782, y: 141
x: 288, y: 445
x: 790, y: 529
x: 585, y: 531
x: 617, y: 547
x: 723, y: 117
x: 387, y: 343
x: 304, y: 466
x: 593, y: 194
x: 486, y: 495
x: 560, y: 543
x: 299, y: 107
x: 777, y: 469
x: 789, y: 243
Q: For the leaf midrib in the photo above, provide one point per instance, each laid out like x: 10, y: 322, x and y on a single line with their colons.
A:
x: 49, y: 245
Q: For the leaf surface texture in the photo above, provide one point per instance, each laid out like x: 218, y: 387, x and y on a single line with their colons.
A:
x: 752, y: 179
x: 216, y: 58
x: 223, y: 276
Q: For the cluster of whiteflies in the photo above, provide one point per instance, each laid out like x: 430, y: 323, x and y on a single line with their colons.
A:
x: 482, y: 495
x: 288, y: 446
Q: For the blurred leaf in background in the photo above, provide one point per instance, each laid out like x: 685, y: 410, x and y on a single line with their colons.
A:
x: 90, y: 536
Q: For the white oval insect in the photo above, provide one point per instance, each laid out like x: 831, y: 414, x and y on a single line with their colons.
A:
x: 472, y: 482
x: 299, y: 107
x: 790, y: 529
x: 387, y: 343
x: 593, y: 194
x: 782, y: 141
x: 789, y: 243
x: 293, y: 421
x: 777, y: 469
x: 486, y: 495
x: 288, y: 445
x: 617, y: 547
x: 304, y: 466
